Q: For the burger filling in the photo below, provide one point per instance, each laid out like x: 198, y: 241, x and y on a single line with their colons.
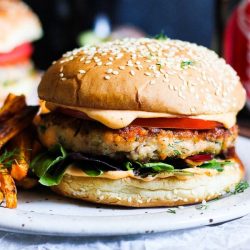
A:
x: 138, y: 150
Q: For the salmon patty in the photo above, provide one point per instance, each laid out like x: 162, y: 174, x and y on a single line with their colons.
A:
x: 133, y: 142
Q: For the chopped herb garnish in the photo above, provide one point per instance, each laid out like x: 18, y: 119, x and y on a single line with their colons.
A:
x: 171, y: 211
x: 240, y: 187
x: 186, y: 64
x: 128, y: 165
x: 7, y: 158
x: 177, y: 152
x: 202, y: 207
x: 161, y: 36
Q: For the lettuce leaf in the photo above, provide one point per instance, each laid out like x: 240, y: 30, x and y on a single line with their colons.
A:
x: 215, y: 164
x: 50, y: 166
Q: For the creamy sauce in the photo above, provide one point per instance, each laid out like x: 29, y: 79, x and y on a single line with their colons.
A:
x: 116, y: 119
x: 115, y: 175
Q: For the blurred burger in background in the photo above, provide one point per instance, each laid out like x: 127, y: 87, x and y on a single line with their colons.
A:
x: 19, y: 27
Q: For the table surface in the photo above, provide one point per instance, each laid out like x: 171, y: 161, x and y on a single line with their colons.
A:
x: 230, y: 235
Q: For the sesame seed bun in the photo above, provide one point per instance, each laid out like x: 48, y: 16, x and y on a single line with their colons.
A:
x: 18, y: 25
x: 169, y: 191
x: 145, y: 74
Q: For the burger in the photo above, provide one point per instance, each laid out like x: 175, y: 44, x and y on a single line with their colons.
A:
x: 19, y: 26
x: 140, y: 123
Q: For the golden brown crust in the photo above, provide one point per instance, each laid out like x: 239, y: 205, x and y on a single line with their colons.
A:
x: 144, y: 74
x: 132, y: 192
x: 18, y: 25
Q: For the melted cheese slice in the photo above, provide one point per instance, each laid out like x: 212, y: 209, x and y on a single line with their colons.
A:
x: 116, y: 119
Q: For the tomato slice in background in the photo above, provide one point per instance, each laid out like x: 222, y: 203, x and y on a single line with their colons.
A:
x: 18, y: 54
x: 176, y: 123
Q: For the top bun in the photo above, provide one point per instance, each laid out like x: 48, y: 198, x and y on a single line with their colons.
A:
x: 144, y: 74
x: 18, y: 25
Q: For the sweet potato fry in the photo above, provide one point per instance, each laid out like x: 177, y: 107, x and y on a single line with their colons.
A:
x: 12, y: 105
x: 8, y: 188
x: 23, y: 143
x: 11, y: 127
x: 1, y: 197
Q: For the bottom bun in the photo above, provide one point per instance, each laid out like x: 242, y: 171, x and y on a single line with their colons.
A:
x: 170, y: 191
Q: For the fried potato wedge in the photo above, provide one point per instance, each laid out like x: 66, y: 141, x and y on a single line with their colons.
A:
x: 23, y: 142
x: 8, y: 188
x: 12, y: 105
x: 14, y: 125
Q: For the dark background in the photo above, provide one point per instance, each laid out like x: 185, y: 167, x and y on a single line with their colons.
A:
x: 200, y: 21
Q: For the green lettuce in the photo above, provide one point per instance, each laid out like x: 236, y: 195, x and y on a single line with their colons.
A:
x: 214, y: 164
x: 49, y: 166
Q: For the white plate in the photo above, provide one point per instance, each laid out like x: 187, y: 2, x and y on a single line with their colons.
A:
x: 48, y: 214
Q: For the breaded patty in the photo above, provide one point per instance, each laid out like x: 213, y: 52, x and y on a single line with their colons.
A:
x: 133, y: 142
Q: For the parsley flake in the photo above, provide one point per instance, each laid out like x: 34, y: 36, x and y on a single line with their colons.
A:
x: 171, y: 211
x: 161, y: 36
x: 187, y: 63
x: 240, y: 187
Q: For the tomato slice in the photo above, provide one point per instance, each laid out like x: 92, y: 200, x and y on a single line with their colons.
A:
x: 18, y: 54
x: 176, y: 123
x: 200, y: 158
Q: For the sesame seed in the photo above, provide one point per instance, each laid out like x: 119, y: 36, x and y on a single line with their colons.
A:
x: 54, y: 62
x: 99, y: 63
x: 61, y: 74
x: 151, y: 82
x: 81, y: 71
x: 147, y: 74
x: 87, y: 62
x: 121, y: 67
x: 109, y: 71
x: 108, y: 63
x: 115, y: 72
x: 132, y: 72
x: 106, y: 77
x: 63, y: 79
